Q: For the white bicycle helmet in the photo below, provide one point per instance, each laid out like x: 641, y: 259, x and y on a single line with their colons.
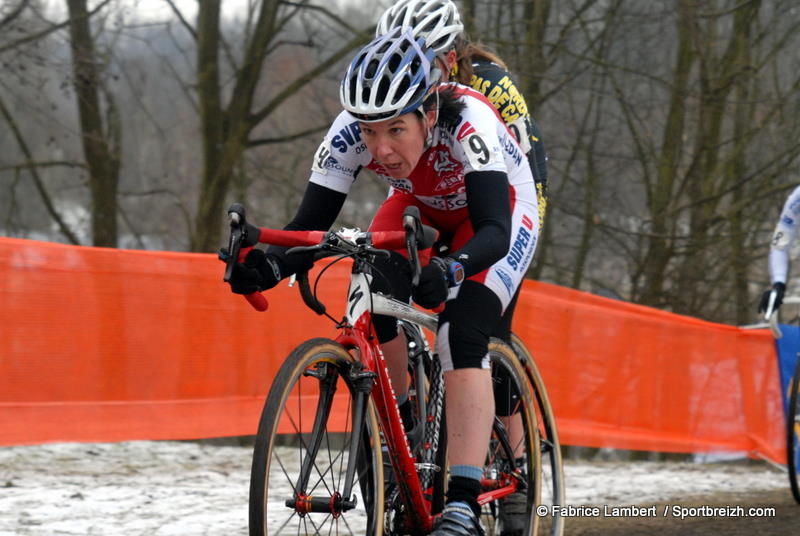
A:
x: 389, y: 77
x: 437, y: 21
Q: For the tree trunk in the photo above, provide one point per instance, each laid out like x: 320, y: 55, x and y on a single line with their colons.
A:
x: 101, y: 142
x: 659, y: 196
x: 536, y: 15
x: 468, y: 18
x: 226, y: 129
x: 706, y: 181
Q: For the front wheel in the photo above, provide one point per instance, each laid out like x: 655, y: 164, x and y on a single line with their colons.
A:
x: 302, y: 451
x: 793, y: 433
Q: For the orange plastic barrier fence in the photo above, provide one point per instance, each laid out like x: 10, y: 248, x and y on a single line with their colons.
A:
x: 108, y: 345
x: 626, y: 376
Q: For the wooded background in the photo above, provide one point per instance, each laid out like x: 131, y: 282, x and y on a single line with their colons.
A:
x: 672, y: 128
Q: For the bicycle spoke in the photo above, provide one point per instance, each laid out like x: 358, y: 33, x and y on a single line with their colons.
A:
x: 322, y: 474
x: 283, y: 468
x: 346, y: 524
x: 280, y: 529
x: 314, y: 525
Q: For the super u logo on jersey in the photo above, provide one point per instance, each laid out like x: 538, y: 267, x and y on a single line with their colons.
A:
x: 520, y: 252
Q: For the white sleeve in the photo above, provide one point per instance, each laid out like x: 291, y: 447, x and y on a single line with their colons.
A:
x: 783, y: 238
x: 340, y: 156
x: 778, y: 265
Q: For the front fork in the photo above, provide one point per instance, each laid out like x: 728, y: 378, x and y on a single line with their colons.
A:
x: 362, y: 382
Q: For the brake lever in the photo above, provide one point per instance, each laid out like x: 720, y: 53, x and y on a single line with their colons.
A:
x: 238, y: 236
x: 411, y: 225
x: 773, y: 295
x: 236, y: 218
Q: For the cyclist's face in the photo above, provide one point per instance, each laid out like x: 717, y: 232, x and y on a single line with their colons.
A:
x: 397, y: 144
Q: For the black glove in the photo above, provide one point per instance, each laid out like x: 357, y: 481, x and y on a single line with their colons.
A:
x: 258, y: 272
x: 433, y: 287
x: 780, y: 289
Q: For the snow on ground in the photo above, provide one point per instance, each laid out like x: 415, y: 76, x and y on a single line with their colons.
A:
x: 160, y: 488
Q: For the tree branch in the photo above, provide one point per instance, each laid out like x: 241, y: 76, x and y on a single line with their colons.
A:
x: 295, y: 86
x: 44, y: 164
x: 37, y: 181
x: 290, y: 137
x: 50, y: 30
x: 181, y: 19
x: 14, y: 13
x: 327, y: 12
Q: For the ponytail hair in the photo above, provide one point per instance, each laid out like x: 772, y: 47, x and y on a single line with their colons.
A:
x: 466, y: 53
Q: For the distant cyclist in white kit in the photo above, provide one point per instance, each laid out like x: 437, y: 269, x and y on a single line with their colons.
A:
x: 782, y: 240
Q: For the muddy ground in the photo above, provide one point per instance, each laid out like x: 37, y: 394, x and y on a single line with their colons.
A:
x: 153, y: 488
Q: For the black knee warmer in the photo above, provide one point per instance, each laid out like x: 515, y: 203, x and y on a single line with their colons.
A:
x: 390, y: 276
x: 466, y: 325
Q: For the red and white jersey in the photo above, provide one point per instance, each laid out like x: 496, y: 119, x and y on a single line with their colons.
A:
x: 480, y: 141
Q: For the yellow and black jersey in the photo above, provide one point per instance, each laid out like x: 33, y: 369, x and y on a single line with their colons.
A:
x: 499, y: 87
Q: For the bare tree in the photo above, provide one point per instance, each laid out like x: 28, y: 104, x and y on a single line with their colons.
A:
x: 670, y: 131
x: 25, y: 28
x: 101, y: 130
x: 228, y: 124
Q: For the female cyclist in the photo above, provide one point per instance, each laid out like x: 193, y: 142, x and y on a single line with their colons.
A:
x: 439, y: 23
x: 444, y: 149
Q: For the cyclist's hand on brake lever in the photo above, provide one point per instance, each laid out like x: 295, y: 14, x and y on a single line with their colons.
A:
x: 258, y: 272
x: 435, y: 280
x: 778, y: 289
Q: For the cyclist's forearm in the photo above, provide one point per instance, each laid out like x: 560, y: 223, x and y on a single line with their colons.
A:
x: 317, y: 212
x: 490, y: 215
x: 778, y: 265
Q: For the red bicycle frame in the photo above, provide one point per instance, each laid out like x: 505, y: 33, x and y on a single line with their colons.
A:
x: 357, y: 336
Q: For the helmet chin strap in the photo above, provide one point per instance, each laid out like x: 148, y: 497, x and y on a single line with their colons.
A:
x: 429, y: 128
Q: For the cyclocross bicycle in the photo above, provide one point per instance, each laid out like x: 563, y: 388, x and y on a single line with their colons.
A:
x: 331, y: 440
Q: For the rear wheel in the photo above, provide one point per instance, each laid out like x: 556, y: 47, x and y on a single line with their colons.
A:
x: 793, y: 433
x: 514, y: 449
x: 552, y: 476
x: 301, y: 455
